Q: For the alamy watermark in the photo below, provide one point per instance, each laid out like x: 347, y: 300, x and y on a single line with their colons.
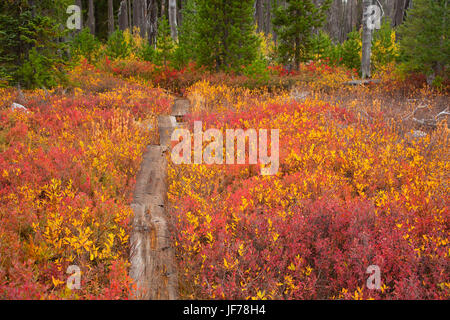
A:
x: 235, y: 147
x: 74, y: 281
x: 374, y: 280
x: 374, y: 14
x: 74, y: 20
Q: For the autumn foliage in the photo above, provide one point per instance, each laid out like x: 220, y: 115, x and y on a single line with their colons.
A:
x: 349, y: 194
x: 352, y: 190
x: 68, y: 168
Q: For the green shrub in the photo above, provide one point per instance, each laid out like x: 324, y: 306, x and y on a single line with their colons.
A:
x: 85, y: 44
x: 425, y: 43
x: 384, y: 46
x: 351, y: 49
x: 147, y: 52
x: 39, y: 71
x: 117, y: 46
x: 164, y: 43
x: 257, y: 70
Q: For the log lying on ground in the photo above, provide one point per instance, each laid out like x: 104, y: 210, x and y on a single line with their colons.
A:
x: 152, y: 257
x: 362, y: 82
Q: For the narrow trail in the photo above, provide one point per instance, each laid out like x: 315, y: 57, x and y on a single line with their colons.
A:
x: 152, y: 257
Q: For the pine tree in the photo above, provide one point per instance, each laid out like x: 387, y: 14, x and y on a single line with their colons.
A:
x: 187, y: 34
x: 425, y: 43
x: 226, y: 37
x: 29, y: 41
x: 351, y: 51
x: 164, y: 42
x: 321, y: 45
x: 294, y: 24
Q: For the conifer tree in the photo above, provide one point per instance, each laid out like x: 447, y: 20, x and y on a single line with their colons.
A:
x: 425, y: 42
x: 29, y: 41
x: 226, y: 33
x: 294, y: 24
x: 187, y: 34
x: 164, y: 41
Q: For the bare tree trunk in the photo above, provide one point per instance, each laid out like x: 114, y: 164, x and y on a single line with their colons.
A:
x: 91, y: 17
x: 153, y: 29
x: 366, y: 41
x: 268, y: 6
x: 259, y: 15
x: 173, y: 19
x: 137, y: 10
x: 130, y: 19
x: 163, y: 7
x: 79, y: 3
x: 110, y: 17
x: 123, y: 15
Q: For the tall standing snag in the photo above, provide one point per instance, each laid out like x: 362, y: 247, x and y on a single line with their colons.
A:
x: 173, y: 19
x: 123, y: 15
x: 110, y: 17
x: 366, y: 41
x: 91, y: 17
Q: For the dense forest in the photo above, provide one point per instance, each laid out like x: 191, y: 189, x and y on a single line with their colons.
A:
x: 224, y: 149
x: 223, y: 34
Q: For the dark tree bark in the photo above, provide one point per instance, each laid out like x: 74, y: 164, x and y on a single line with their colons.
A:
x: 130, y: 18
x: 123, y: 15
x: 91, y: 17
x: 259, y: 14
x: 110, y: 17
x: 79, y: 3
x: 153, y: 18
x: 137, y: 13
x: 268, y: 24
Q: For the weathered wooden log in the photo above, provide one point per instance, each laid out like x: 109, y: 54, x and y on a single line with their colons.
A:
x: 362, y: 82
x: 152, y: 256
x: 166, y: 125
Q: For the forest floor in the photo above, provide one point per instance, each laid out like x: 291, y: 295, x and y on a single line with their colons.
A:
x: 362, y: 181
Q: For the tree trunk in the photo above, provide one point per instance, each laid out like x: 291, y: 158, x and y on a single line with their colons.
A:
x: 137, y: 10
x: 110, y: 17
x: 366, y: 41
x: 268, y: 7
x: 79, y: 3
x: 123, y: 15
x: 173, y: 19
x: 130, y: 18
x: 91, y: 17
x: 259, y: 15
x: 153, y: 20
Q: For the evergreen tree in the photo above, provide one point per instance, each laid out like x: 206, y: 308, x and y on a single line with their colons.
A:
x: 85, y: 44
x: 30, y: 48
x: 118, y: 47
x: 164, y: 42
x: 424, y: 35
x: 226, y: 33
x: 187, y: 34
x: 351, y: 51
x: 321, y: 45
x: 294, y: 24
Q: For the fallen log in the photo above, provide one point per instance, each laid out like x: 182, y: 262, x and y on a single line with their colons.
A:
x: 362, y: 82
x: 152, y: 256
